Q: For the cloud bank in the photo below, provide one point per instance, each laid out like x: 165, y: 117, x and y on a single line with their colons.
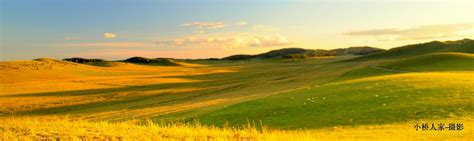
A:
x: 207, y: 25
x: 110, y: 35
x: 418, y: 32
x: 237, y: 40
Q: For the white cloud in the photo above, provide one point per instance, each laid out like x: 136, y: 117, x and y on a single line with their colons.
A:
x: 207, y: 25
x: 273, y: 40
x: 110, y: 35
x: 418, y: 32
x: 234, y: 40
x: 213, y: 25
x: 241, y: 23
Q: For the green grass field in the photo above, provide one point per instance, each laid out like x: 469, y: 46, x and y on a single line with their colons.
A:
x: 375, y: 100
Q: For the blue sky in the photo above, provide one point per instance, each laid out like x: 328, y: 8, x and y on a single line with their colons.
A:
x: 117, y: 29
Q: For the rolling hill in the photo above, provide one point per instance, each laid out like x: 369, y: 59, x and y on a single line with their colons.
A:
x: 155, y: 62
x: 134, y: 60
x: 375, y: 100
x: 464, y: 46
x: 271, y: 54
x: 306, y: 53
x: 435, y: 62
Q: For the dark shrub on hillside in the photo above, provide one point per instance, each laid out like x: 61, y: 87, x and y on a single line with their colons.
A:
x: 296, y: 56
x: 149, y: 61
x: 92, y: 62
x: 83, y: 60
x: 363, y: 50
x: 281, y: 53
x: 138, y: 60
x: 239, y: 57
x: 213, y: 59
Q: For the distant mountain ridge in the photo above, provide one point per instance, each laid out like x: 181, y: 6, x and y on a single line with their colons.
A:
x: 463, y: 46
x: 305, y: 53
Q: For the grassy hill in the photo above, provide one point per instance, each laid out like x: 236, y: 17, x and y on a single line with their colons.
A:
x: 375, y: 100
x: 48, y: 83
x: 464, y: 46
x: 154, y: 62
x: 300, y: 53
x: 134, y: 60
x: 435, y: 62
x: 268, y: 55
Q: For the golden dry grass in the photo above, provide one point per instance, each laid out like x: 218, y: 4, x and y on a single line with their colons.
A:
x: 20, y: 80
x: 65, y: 129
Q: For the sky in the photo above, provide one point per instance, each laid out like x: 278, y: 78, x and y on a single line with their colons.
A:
x: 118, y: 29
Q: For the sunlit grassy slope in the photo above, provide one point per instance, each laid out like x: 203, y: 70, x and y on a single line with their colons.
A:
x: 47, y: 83
x: 388, y: 92
x: 374, y: 100
x: 466, y: 46
x: 435, y: 62
x: 462, y: 46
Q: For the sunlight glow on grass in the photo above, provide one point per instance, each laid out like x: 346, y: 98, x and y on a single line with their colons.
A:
x: 64, y: 128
